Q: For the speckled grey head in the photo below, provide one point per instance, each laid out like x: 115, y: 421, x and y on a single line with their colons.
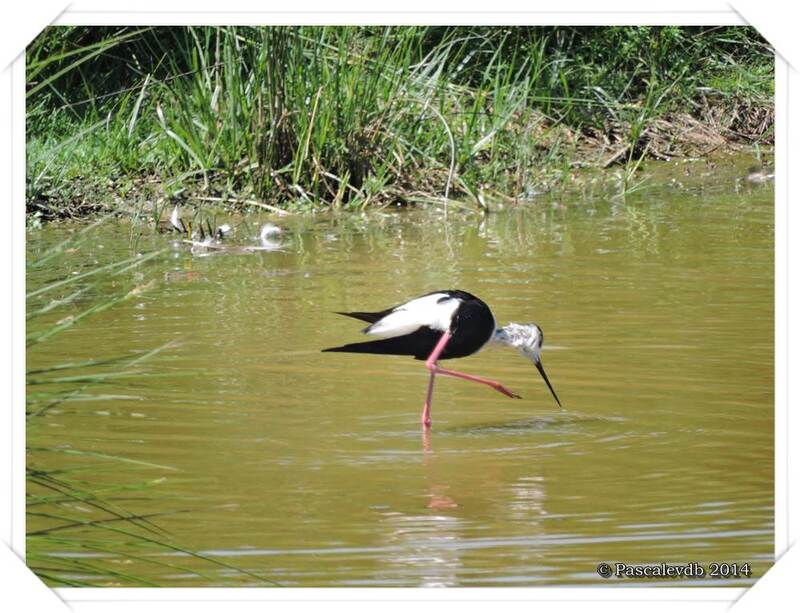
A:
x: 527, y: 339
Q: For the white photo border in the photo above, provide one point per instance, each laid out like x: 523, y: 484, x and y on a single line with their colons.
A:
x: 576, y: 13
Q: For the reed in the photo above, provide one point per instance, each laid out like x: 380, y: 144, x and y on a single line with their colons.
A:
x: 350, y: 117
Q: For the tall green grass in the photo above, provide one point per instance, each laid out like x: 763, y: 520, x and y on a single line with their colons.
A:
x: 348, y: 117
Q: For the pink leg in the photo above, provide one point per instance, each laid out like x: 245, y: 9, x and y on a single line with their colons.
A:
x: 430, y: 364
x: 493, y: 384
x: 426, y: 408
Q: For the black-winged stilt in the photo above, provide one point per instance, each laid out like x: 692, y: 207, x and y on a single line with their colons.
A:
x: 443, y: 325
x: 198, y: 235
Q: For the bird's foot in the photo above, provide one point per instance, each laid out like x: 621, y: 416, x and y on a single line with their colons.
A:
x: 504, y: 390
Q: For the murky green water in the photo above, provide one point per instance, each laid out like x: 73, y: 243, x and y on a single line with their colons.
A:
x: 312, y: 469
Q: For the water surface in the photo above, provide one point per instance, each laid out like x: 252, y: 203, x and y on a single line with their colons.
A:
x: 311, y: 468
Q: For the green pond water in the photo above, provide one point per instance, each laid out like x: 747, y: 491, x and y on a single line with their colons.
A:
x: 311, y: 469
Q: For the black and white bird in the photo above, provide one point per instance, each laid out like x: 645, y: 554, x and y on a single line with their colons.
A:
x: 443, y: 325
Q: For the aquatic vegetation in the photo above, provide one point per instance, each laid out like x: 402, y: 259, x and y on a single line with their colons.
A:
x: 353, y: 117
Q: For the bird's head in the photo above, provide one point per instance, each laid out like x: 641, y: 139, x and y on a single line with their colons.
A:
x: 527, y: 339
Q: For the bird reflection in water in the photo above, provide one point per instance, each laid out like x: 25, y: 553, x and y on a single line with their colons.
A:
x: 422, y: 545
x: 438, y: 499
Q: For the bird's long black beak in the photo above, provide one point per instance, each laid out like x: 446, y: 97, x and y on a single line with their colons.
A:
x: 540, y: 368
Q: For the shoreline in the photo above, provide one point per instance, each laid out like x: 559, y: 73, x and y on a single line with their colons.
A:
x: 147, y: 198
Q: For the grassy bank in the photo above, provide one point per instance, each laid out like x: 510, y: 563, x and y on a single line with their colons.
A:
x: 353, y: 117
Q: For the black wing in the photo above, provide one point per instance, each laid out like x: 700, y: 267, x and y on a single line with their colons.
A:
x: 365, y: 316
x: 419, y: 343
